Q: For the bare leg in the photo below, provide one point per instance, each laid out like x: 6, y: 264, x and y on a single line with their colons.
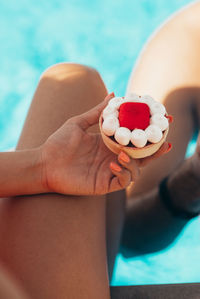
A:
x: 9, y: 288
x: 55, y: 244
x: 168, y: 69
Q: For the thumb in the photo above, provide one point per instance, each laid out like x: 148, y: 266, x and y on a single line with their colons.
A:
x: 91, y: 117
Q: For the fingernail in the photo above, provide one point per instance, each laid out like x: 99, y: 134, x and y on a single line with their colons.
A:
x: 169, y: 147
x: 112, y: 94
x: 124, y: 157
x: 115, y: 167
x: 170, y: 118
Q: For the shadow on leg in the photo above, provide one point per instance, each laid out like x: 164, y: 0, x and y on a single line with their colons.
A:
x: 55, y: 244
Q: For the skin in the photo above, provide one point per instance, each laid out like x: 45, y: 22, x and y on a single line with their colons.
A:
x: 173, y: 55
x: 91, y: 168
x: 178, y: 89
x: 9, y: 288
x: 59, y: 245
x: 77, y: 164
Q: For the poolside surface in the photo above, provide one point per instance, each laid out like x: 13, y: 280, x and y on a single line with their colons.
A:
x: 107, y: 35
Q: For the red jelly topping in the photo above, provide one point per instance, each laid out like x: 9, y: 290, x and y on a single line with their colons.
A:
x: 134, y: 115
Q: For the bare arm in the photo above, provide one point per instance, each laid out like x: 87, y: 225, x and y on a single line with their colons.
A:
x: 21, y: 173
x: 71, y: 161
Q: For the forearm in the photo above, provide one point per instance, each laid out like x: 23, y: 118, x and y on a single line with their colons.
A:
x: 21, y: 173
x: 149, y: 225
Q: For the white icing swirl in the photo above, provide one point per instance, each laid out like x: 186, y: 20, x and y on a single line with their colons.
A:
x: 115, y: 102
x: 148, y: 100
x: 138, y: 138
x: 157, y: 108
x: 154, y: 133
x: 123, y: 135
x: 159, y: 120
x: 132, y: 97
x: 109, y: 110
x: 110, y: 125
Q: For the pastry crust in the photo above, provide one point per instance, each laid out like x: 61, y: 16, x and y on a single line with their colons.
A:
x: 133, y: 152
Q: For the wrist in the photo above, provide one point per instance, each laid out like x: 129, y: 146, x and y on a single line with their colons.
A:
x: 35, y: 172
x: 21, y: 173
x: 41, y: 169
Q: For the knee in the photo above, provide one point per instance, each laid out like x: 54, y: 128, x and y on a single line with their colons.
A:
x: 63, y: 71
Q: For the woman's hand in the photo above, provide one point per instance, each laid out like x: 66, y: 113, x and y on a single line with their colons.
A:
x: 77, y: 162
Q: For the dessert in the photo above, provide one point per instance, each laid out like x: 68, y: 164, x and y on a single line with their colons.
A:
x: 138, y: 125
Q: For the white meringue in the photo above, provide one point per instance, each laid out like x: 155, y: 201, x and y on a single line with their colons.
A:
x: 159, y: 120
x: 115, y: 102
x: 110, y: 111
x: 147, y: 100
x: 138, y: 138
x: 123, y: 135
x: 110, y: 125
x: 132, y: 97
x: 157, y: 107
x: 154, y: 133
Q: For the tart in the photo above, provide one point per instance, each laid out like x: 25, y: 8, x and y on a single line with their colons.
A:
x: 137, y: 125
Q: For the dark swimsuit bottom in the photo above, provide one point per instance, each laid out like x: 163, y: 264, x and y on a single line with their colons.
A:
x: 163, y: 291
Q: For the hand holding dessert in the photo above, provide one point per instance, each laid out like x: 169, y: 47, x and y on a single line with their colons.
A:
x: 77, y: 162
x: 137, y: 125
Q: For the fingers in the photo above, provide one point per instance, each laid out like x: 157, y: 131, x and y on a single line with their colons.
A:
x: 125, y: 173
x: 91, y: 117
x: 170, y: 118
x: 164, y: 149
x: 109, y: 97
x: 121, y: 179
x: 129, y: 169
x: 130, y: 165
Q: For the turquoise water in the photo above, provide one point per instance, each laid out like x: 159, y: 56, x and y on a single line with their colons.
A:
x: 178, y: 263
x: 107, y: 35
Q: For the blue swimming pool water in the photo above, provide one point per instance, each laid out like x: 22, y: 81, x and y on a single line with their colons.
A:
x: 107, y: 35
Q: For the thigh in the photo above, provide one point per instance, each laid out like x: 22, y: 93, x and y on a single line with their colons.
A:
x: 55, y: 244
x: 9, y: 288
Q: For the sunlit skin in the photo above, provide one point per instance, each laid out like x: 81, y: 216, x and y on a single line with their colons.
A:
x: 79, y: 163
x: 71, y: 161
x: 50, y: 157
x: 53, y: 232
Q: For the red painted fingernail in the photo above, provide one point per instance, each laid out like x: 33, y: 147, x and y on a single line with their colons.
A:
x: 124, y: 157
x: 115, y: 167
x: 170, y: 118
x: 112, y: 94
x: 169, y: 147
